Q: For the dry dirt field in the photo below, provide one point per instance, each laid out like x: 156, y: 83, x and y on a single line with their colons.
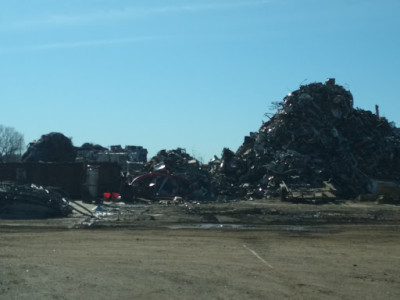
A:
x: 41, y: 260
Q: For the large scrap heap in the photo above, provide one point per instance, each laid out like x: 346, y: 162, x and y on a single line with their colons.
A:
x: 316, y: 141
x: 316, y: 136
x: 180, y: 163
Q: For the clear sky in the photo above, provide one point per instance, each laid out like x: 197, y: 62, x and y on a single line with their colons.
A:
x: 193, y: 74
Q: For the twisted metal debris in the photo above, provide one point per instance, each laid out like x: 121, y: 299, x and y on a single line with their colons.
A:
x: 31, y: 201
x: 316, y: 136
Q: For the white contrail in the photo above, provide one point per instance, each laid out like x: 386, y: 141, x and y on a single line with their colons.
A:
x: 80, y: 44
x: 52, y: 20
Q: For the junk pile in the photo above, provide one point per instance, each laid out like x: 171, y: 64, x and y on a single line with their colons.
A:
x: 315, y: 146
x: 89, y: 152
x: 31, y: 201
x: 174, y: 161
x: 52, y: 147
x: 170, y: 174
x: 316, y: 139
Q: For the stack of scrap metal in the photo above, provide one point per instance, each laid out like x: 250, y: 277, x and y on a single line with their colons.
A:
x: 316, y: 136
x: 31, y: 202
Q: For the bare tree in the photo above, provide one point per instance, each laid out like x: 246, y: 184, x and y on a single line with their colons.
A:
x: 11, y: 144
x: 276, y: 106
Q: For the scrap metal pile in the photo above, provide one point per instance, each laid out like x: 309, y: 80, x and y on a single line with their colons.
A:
x: 178, y: 162
x: 170, y: 174
x: 51, y: 147
x: 315, y: 137
x: 30, y: 201
x: 316, y: 141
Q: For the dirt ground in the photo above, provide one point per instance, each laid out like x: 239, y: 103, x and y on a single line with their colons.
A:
x: 233, y: 251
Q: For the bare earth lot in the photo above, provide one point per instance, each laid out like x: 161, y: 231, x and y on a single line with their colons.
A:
x: 128, y: 260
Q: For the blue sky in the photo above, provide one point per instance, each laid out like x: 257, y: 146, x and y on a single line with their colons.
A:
x: 193, y: 74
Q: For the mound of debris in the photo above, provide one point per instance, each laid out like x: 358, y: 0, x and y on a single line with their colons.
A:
x: 172, y: 161
x: 96, y: 153
x: 52, y: 147
x: 316, y: 137
x: 172, y: 173
x: 179, y: 162
x: 31, y: 202
x: 92, y: 147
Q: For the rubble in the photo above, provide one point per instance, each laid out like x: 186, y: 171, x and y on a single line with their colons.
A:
x: 157, y: 186
x: 52, y: 147
x: 316, y: 136
x: 316, y: 146
x: 31, y: 201
x: 130, y: 158
x: 170, y: 174
x: 95, y: 153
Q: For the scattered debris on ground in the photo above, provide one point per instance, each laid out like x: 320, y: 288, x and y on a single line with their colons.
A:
x: 304, y: 194
x: 239, y: 214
